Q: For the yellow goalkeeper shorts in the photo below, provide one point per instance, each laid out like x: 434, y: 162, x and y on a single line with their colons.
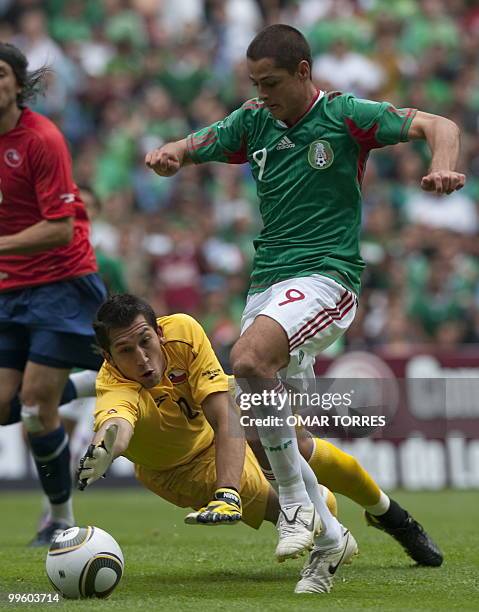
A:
x: 193, y: 485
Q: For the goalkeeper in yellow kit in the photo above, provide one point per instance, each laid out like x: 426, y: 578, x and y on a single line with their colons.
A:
x: 163, y: 402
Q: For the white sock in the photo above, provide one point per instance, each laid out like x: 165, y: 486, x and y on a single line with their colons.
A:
x: 281, y: 448
x: 330, y: 536
x: 268, y: 474
x: 84, y: 382
x: 45, y: 516
x: 381, y: 507
x: 287, y: 470
x: 331, y: 529
x: 63, y: 512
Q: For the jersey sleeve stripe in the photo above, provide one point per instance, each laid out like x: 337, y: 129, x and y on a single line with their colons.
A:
x: 407, y: 122
x: 203, y: 140
x: 189, y: 149
x: 195, y: 142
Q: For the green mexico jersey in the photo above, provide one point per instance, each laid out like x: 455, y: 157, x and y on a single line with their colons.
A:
x: 308, y: 179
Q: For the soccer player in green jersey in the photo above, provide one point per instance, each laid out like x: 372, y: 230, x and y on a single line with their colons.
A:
x: 307, y: 150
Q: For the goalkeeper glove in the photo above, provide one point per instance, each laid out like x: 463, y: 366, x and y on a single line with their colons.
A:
x: 223, y: 509
x: 98, y: 458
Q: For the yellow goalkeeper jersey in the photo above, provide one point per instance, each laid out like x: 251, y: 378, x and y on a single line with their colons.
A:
x: 170, y: 427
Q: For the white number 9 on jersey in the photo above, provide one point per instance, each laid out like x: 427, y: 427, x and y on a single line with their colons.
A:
x: 260, y: 158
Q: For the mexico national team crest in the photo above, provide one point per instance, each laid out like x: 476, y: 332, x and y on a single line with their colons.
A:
x: 320, y: 154
x: 177, y: 376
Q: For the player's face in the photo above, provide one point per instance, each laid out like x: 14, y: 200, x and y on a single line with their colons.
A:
x: 8, y: 87
x: 136, y: 352
x: 284, y: 94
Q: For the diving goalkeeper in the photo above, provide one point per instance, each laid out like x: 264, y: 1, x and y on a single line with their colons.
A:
x: 163, y: 402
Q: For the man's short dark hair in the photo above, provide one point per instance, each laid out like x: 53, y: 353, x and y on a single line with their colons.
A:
x: 120, y: 311
x: 32, y: 83
x: 283, y: 44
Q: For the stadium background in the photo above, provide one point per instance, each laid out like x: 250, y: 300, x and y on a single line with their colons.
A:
x: 132, y: 74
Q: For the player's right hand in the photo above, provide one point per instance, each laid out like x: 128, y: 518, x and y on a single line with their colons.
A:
x: 164, y: 160
x: 223, y: 509
x: 445, y: 181
x: 97, y: 459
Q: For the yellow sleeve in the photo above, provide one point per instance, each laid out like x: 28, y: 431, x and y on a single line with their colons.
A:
x: 205, y: 374
x: 119, y: 400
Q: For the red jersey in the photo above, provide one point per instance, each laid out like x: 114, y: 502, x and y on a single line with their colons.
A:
x: 36, y: 184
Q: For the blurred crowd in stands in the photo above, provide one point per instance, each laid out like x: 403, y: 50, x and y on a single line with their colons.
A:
x: 132, y: 74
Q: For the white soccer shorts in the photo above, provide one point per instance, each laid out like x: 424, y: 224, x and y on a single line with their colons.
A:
x: 313, y: 310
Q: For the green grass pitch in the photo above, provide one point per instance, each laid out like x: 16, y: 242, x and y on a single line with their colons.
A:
x: 169, y: 565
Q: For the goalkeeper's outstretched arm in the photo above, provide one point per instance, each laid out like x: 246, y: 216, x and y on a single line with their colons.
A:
x: 230, y: 442
x: 225, y: 507
x: 123, y: 436
x: 109, y: 442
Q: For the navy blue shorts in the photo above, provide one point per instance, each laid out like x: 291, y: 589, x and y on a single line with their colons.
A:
x: 51, y: 324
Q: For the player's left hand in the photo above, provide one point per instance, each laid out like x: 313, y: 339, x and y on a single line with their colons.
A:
x: 98, y: 458
x: 223, y: 509
x: 444, y: 181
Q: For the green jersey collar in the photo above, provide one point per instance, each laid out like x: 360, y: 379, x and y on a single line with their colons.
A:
x: 284, y: 125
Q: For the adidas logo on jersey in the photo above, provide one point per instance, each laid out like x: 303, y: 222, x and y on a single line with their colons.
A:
x: 285, y: 143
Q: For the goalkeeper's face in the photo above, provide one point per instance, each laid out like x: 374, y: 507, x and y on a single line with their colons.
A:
x: 136, y: 352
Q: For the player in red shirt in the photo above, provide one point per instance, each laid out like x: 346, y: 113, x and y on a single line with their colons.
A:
x: 49, y: 286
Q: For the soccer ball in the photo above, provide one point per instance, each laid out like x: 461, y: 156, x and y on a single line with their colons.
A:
x: 84, y: 562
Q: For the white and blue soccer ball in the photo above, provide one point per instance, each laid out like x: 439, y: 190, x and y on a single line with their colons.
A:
x: 84, y: 562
